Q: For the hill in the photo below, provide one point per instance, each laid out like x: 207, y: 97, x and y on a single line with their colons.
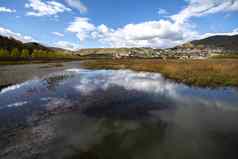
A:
x: 12, y: 49
x: 9, y: 43
x: 118, y: 52
x: 224, y: 42
x: 195, y: 49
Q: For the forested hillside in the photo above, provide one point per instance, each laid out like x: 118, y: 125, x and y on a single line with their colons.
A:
x: 12, y: 48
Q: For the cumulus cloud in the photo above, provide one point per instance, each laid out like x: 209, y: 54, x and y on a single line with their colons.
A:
x: 18, y: 36
x: 164, y: 33
x: 58, y: 34
x: 89, y: 81
x: 82, y: 27
x: 161, y: 33
x: 78, y: 5
x: 129, y: 80
x: 67, y: 45
x: 48, y: 8
x: 7, y: 10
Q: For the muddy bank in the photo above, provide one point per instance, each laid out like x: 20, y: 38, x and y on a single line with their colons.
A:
x: 13, y: 74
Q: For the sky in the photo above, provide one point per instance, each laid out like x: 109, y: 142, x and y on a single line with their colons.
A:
x: 74, y: 24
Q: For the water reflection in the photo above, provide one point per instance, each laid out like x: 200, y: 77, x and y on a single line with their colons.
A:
x: 108, y: 114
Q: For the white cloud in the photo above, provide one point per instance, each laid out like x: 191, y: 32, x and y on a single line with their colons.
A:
x: 206, y: 35
x: 82, y: 27
x: 235, y: 30
x: 162, y: 11
x: 164, y: 33
x: 7, y: 10
x: 40, y: 8
x: 67, y: 45
x: 78, y: 5
x: 129, y: 80
x: 58, y: 34
x: 198, y: 8
x: 17, y: 104
x: 18, y: 36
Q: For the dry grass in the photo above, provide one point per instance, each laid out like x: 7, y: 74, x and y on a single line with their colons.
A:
x: 212, y: 72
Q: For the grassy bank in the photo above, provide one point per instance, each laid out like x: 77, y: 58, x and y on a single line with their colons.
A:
x: 29, y: 60
x: 226, y: 56
x: 34, y: 61
x: 212, y: 72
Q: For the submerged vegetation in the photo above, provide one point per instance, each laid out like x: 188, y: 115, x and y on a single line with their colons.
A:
x: 212, y: 72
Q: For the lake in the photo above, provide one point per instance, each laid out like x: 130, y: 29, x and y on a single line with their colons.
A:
x: 67, y: 112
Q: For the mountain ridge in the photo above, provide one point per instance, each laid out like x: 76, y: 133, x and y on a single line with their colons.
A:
x: 220, y: 41
x: 203, y: 47
x: 10, y: 43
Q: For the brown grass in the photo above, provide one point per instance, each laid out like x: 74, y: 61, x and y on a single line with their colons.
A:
x: 212, y: 72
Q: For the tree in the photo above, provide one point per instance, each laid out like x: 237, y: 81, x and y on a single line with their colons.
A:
x: 51, y: 54
x: 15, y: 53
x: 4, y: 53
x: 35, y: 54
x: 43, y: 53
x: 25, y: 53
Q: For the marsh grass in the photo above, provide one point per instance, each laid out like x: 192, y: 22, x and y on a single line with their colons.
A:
x: 211, y: 72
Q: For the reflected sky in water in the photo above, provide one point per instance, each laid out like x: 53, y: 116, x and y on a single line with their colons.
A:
x: 120, y: 114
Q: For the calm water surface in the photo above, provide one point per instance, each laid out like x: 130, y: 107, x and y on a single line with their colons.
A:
x: 106, y: 114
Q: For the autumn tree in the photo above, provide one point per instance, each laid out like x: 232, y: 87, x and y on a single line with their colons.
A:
x: 15, y: 53
x: 35, y: 54
x: 25, y: 53
x: 4, y: 53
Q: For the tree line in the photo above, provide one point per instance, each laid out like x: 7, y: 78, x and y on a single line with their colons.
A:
x: 25, y: 53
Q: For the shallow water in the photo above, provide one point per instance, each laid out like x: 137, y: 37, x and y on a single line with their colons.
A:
x: 78, y: 113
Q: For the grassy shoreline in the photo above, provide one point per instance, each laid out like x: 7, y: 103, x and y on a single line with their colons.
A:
x: 35, y: 61
x: 205, y: 73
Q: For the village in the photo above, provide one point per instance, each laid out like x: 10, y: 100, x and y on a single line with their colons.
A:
x: 182, y: 52
x: 179, y: 52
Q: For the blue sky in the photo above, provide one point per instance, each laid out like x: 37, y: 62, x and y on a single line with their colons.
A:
x: 76, y: 24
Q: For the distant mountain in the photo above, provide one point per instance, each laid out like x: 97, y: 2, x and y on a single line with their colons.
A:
x: 225, y: 42
x: 36, y: 46
x: 118, y: 52
x: 10, y: 43
x: 214, y: 44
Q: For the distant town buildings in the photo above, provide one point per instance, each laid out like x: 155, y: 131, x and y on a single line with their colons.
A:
x: 186, y: 51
